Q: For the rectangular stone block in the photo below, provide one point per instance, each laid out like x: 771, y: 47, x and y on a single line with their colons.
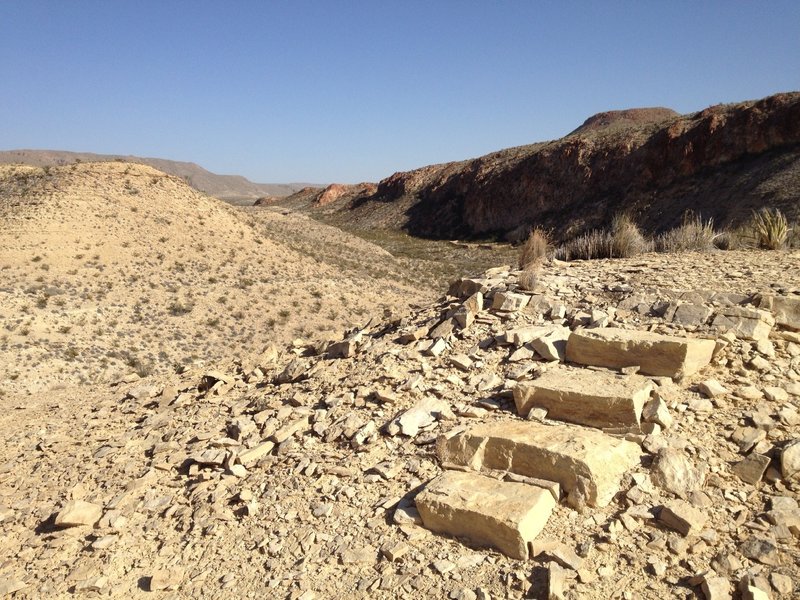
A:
x: 503, y: 515
x: 593, y: 398
x: 653, y: 353
x: 587, y: 463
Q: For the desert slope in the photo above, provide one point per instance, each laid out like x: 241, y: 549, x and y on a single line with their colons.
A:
x: 231, y: 188
x: 109, y: 268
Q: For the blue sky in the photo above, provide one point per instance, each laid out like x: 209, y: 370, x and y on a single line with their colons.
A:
x: 298, y: 91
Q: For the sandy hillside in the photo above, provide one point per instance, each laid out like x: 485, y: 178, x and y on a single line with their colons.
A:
x: 108, y: 268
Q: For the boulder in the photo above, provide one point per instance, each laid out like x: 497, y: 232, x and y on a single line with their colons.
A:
x: 653, y: 353
x: 592, y: 398
x: 503, y: 515
x: 587, y: 463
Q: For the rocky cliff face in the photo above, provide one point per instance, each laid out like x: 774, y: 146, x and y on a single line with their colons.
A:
x: 721, y: 162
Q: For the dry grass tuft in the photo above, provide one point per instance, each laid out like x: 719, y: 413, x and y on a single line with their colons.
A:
x: 626, y: 238
x: 693, y: 235
x: 535, y: 249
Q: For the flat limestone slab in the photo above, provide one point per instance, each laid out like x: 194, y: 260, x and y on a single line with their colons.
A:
x: 503, y: 515
x: 591, y: 398
x: 587, y: 463
x: 655, y: 354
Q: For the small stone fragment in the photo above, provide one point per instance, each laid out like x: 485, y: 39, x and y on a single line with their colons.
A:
x: 751, y: 469
x: 711, y: 388
x: 682, y: 517
x: 78, y: 512
x: 716, y: 588
x: 166, y: 579
x: 790, y: 460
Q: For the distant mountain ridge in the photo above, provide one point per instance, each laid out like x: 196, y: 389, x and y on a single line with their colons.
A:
x: 231, y: 188
x: 652, y: 164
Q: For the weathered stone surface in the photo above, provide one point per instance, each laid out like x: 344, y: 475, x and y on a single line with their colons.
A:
x: 504, y: 515
x: 553, y: 344
x: 166, y: 579
x: 790, y: 460
x: 465, y: 314
x: 585, y: 397
x: 673, y: 471
x: 256, y: 453
x: 423, y: 413
x: 747, y: 323
x: 682, y: 517
x: 347, y: 347
x: 751, y: 469
x: 716, y: 588
x: 711, y: 388
x: 654, y: 353
x: 785, y: 308
x: 509, y: 301
x: 691, y: 314
x: 78, y: 512
x: 520, y: 336
x: 587, y: 463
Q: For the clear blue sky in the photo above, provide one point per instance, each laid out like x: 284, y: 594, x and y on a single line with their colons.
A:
x: 291, y: 90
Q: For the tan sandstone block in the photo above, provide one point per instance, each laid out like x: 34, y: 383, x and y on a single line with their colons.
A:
x: 591, y: 398
x: 503, y: 515
x: 587, y: 463
x: 655, y: 354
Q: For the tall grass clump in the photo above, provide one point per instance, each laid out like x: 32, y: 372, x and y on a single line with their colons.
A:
x: 768, y: 229
x: 692, y: 235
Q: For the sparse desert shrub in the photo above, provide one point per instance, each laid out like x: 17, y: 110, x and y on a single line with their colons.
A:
x: 178, y: 308
x: 626, y: 238
x: 768, y: 229
x: 692, y: 235
x: 535, y: 249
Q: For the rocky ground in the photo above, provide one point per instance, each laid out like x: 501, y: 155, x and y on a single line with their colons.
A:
x: 317, y: 470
